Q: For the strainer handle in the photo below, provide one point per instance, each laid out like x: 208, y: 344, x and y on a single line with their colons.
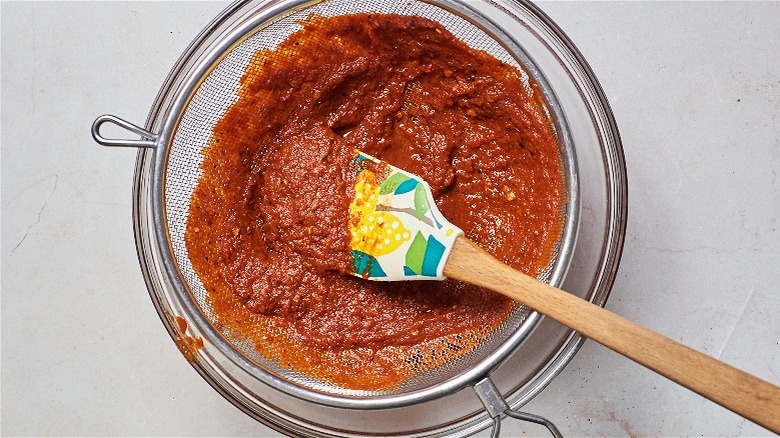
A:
x: 496, y: 406
x: 149, y: 140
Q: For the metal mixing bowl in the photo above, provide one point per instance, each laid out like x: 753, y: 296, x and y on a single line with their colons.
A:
x: 541, y: 355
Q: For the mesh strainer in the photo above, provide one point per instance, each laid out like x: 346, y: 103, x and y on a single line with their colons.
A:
x: 208, y: 87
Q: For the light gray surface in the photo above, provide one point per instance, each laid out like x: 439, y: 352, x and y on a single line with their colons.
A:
x: 695, y: 88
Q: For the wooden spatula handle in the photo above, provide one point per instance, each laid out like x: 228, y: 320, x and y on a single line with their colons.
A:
x: 747, y: 395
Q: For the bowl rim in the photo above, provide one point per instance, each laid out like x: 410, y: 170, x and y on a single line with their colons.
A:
x: 150, y: 266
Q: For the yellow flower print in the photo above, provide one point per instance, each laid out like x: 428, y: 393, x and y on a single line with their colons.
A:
x: 373, y: 232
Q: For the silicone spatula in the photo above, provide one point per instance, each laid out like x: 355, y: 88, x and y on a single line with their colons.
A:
x: 397, y: 234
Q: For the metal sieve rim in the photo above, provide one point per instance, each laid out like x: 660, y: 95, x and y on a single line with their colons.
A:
x: 197, y: 73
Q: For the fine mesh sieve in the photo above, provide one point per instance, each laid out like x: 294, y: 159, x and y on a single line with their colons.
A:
x: 212, y: 87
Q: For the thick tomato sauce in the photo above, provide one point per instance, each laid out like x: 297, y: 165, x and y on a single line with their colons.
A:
x: 267, y: 231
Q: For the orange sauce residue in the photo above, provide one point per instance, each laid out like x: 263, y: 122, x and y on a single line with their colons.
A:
x: 188, y: 345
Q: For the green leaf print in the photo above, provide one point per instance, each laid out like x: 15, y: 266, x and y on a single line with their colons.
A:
x: 421, y: 205
x: 416, y: 253
x: 390, y: 184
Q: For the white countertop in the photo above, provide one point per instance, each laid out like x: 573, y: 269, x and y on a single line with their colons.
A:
x: 695, y: 88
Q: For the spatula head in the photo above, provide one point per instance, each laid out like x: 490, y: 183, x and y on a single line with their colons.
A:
x: 397, y: 231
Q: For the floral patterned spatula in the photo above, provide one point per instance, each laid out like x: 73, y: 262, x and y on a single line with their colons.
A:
x: 397, y: 233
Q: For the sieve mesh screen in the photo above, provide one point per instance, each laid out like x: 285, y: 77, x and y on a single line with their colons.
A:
x: 218, y: 91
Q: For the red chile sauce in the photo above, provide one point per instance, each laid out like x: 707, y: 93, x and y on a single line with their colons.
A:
x: 267, y: 231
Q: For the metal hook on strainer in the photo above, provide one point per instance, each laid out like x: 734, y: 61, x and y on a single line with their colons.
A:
x: 183, y: 127
x: 496, y: 406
